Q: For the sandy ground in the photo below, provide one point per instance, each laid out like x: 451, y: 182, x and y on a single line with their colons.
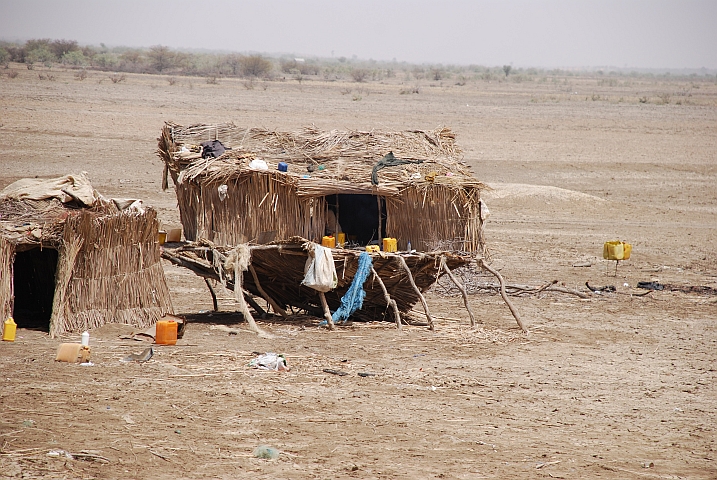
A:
x: 614, y: 386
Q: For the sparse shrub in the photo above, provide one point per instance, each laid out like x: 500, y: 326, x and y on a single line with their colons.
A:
x: 461, y: 80
x: 255, y: 66
x: 41, y: 76
x: 81, y: 74
x: 642, y: 99
x: 212, y: 80
x: 12, y: 74
x: 248, y: 84
x: 117, y: 77
x: 356, y: 98
x: 507, y: 69
x: 436, y: 74
x: 75, y: 58
x: 410, y: 90
x: 345, y: 91
x: 665, y: 98
x: 172, y: 80
x: 359, y: 74
x: 30, y: 65
x: 596, y: 97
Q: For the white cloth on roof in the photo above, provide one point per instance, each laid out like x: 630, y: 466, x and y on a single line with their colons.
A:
x: 65, y: 189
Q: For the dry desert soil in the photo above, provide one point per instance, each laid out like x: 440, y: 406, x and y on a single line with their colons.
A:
x: 611, y: 386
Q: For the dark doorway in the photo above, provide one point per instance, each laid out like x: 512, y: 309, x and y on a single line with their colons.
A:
x: 34, y: 283
x: 358, y: 216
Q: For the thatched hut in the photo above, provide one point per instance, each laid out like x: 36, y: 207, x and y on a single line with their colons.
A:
x: 410, y: 185
x: 72, y: 260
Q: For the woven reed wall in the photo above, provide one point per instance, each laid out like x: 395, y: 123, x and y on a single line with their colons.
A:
x: 116, y: 275
x: 435, y: 218
x: 7, y: 254
x: 255, y: 203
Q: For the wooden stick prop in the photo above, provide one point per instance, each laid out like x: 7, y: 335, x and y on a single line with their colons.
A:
x: 497, y: 275
x: 265, y: 295
x: 418, y: 292
x: 460, y: 286
x: 327, y: 312
x: 213, y: 293
x: 240, y: 261
x: 390, y: 301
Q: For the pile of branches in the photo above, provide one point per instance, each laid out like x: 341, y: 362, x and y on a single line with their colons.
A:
x: 476, y: 281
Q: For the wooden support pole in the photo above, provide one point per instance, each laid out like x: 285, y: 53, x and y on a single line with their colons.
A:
x: 460, y: 286
x: 213, y: 293
x: 244, y: 253
x: 415, y: 287
x: 327, y: 312
x: 252, y: 303
x: 390, y: 301
x: 497, y: 275
x: 265, y: 295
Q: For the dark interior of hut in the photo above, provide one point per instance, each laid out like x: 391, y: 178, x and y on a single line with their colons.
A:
x: 357, y: 215
x: 34, y: 287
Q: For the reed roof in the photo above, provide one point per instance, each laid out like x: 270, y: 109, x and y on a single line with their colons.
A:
x: 319, y: 162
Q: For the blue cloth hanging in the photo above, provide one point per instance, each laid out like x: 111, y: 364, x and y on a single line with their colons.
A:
x: 354, y: 296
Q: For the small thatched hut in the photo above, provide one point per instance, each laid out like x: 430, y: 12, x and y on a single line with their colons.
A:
x: 73, y: 260
x: 411, y: 185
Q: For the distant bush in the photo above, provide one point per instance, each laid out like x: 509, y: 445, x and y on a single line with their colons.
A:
x: 117, y: 78
x: 75, y: 58
x: 81, y: 74
x: 359, y: 74
x: 12, y: 74
x: 255, y: 66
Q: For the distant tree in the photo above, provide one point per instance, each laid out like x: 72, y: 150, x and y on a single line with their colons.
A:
x: 61, y: 47
x: 161, y: 58
x: 233, y: 63
x: 4, y: 56
x: 255, y: 66
x: 507, y: 69
x: 131, y: 60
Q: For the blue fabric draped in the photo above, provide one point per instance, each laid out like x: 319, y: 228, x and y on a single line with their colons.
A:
x: 353, y: 299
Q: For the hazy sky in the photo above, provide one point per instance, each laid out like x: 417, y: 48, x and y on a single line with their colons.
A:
x: 540, y: 33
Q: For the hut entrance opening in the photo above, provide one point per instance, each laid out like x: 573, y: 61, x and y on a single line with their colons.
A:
x: 34, y: 287
x: 358, y: 216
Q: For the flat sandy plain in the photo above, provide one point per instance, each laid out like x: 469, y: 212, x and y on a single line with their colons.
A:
x: 614, y: 386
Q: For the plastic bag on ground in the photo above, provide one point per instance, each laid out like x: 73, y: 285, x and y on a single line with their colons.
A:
x: 270, y: 361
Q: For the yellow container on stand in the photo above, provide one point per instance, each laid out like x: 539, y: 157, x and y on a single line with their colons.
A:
x: 616, y: 250
x: 390, y: 245
x: 328, y: 241
x: 9, y: 329
x: 341, y: 239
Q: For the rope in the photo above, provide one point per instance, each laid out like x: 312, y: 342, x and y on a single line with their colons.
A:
x: 353, y: 299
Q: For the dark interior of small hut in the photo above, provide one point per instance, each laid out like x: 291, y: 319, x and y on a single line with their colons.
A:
x: 358, y: 217
x: 34, y: 287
